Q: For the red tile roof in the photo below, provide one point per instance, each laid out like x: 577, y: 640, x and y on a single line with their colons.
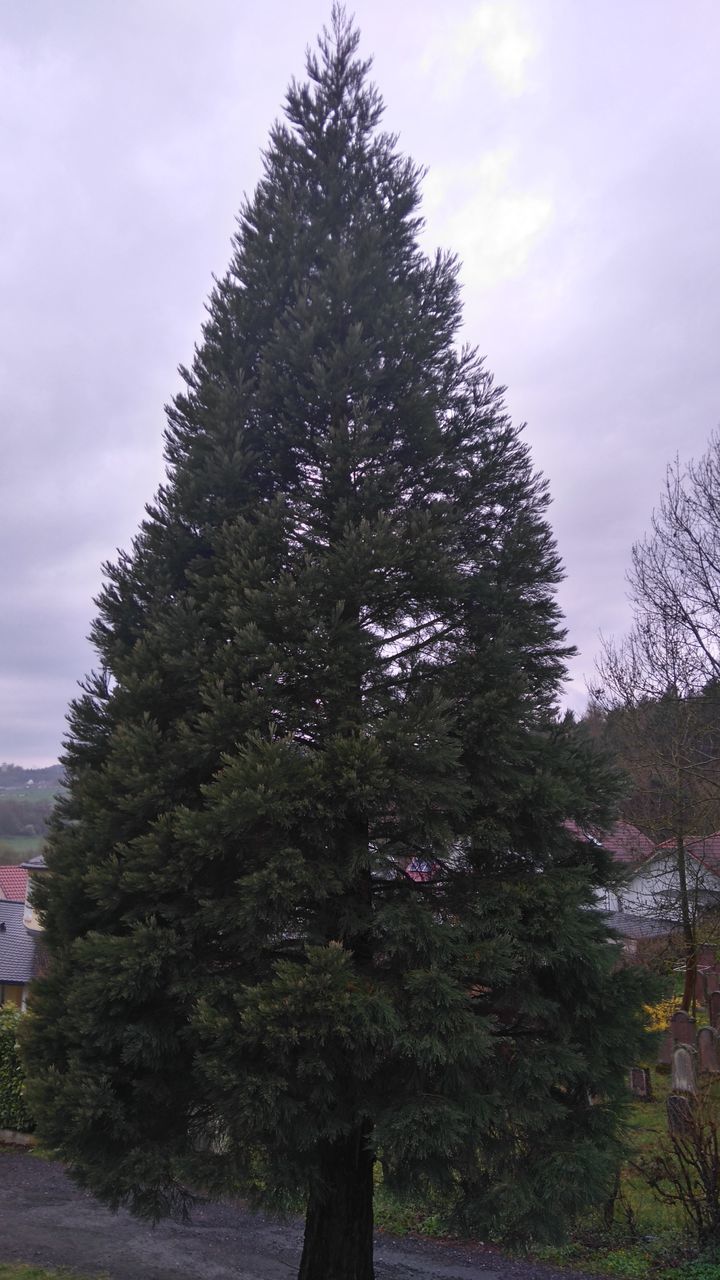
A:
x: 622, y: 840
x: 13, y: 883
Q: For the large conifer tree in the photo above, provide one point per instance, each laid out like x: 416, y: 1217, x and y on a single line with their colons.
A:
x: 312, y: 900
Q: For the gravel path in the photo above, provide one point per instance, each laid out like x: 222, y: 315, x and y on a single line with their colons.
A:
x: 46, y: 1220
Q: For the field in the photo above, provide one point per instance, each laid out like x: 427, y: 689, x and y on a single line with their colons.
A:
x: 17, y: 849
x: 29, y: 795
x: 24, y: 813
x: 17, y: 1271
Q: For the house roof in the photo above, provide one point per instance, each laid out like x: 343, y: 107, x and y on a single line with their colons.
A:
x: 35, y: 864
x: 624, y: 841
x: 705, y: 850
x: 13, y: 884
x: 421, y: 869
x: 627, y: 926
x: 17, y: 945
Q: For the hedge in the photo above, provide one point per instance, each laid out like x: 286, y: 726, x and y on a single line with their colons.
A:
x: 13, y: 1112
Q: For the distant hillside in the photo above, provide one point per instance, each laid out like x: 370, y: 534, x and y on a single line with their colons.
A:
x: 27, y: 797
x: 13, y: 776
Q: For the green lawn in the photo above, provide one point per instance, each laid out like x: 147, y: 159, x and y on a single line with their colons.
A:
x: 18, y: 1271
x: 648, y: 1127
x: 30, y: 795
x: 17, y: 849
x: 647, y: 1241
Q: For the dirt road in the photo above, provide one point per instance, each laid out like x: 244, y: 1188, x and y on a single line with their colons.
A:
x: 46, y: 1220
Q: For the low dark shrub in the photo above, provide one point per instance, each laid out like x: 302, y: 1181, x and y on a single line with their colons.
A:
x: 13, y: 1111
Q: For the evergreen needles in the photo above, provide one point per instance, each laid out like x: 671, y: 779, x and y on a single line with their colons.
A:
x: 312, y: 899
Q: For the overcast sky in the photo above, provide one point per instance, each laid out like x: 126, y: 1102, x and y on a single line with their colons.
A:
x: 573, y: 151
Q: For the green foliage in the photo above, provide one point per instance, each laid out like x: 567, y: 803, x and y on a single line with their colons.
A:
x: 23, y: 815
x: 14, y: 1113
x: 704, y: 1268
x: 647, y: 1237
x: 334, y: 647
x: 19, y: 1271
x: 17, y: 849
x: 404, y: 1217
x: 684, y: 1169
x: 14, y: 776
x: 631, y: 1263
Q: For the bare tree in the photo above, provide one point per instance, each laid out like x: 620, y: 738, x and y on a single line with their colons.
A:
x: 676, y: 567
x: 659, y: 681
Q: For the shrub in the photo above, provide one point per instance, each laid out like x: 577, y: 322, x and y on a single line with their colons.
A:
x: 659, y: 1014
x: 706, y: 1267
x: 630, y: 1264
x: 684, y: 1169
x: 13, y: 1111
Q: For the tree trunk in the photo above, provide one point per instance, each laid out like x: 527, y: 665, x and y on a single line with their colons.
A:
x: 689, y: 937
x: 338, y: 1241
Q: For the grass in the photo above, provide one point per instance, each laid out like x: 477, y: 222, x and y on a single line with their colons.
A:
x: 402, y: 1219
x: 18, y: 1271
x: 17, y: 849
x: 647, y: 1241
x: 648, y: 1126
x: 30, y: 795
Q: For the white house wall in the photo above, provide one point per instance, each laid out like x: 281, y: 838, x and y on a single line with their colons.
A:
x: 607, y: 900
x: 654, y: 888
